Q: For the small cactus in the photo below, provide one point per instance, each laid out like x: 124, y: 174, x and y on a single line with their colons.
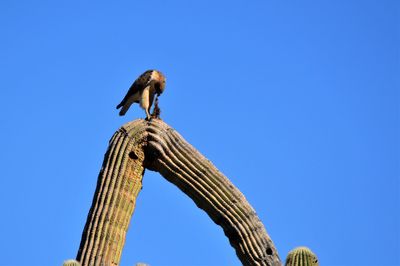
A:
x: 71, y: 263
x: 301, y: 256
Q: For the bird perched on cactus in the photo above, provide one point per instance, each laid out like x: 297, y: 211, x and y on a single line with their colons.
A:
x: 143, y: 90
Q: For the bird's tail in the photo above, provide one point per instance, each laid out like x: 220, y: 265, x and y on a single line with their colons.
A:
x: 124, y: 109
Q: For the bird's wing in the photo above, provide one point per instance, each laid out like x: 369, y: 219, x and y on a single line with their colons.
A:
x: 134, y: 88
x: 139, y: 84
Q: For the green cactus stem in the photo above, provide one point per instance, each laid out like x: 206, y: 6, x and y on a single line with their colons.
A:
x: 301, y: 256
x: 118, y: 185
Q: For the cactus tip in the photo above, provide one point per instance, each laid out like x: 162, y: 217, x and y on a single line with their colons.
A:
x: 301, y: 256
x: 71, y: 263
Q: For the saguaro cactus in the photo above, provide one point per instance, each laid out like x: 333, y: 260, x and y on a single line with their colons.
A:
x: 156, y: 146
x: 301, y: 256
x: 71, y: 263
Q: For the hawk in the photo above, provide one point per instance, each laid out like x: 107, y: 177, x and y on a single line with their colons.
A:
x: 143, y: 90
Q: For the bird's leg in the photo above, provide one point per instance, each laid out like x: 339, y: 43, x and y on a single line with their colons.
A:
x: 148, y: 116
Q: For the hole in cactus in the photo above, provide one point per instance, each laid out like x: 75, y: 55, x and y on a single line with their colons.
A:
x: 269, y: 251
x: 133, y: 155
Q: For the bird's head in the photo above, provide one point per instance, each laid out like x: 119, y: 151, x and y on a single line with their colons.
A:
x: 160, y: 85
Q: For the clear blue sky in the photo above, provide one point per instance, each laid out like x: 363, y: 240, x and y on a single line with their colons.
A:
x: 297, y: 102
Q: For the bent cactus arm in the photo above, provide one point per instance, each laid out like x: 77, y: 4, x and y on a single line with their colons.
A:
x: 181, y: 164
x: 158, y: 147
